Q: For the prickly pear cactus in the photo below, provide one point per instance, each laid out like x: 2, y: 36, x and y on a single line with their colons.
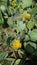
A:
x: 18, y: 32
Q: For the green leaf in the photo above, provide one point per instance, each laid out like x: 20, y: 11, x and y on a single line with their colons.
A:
x: 30, y: 43
x: 35, y: 9
x: 21, y: 25
x: 30, y: 25
x: 26, y: 3
x: 3, y: 56
x: 3, y: 2
x: 35, y: 53
x: 1, y: 19
x: 10, y: 22
x: 6, y: 63
x: 29, y: 49
x: 3, y: 8
x: 33, y: 35
x: 17, y: 61
x: 22, y: 62
x: 9, y: 61
x: 8, y: 41
x: 36, y: 23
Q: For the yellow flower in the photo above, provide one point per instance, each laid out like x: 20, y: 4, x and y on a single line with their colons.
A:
x: 27, y: 16
x: 13, y: 4
x: 17, y: 44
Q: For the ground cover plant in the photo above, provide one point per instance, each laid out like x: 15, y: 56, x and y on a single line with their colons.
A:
x: 18, y: 32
